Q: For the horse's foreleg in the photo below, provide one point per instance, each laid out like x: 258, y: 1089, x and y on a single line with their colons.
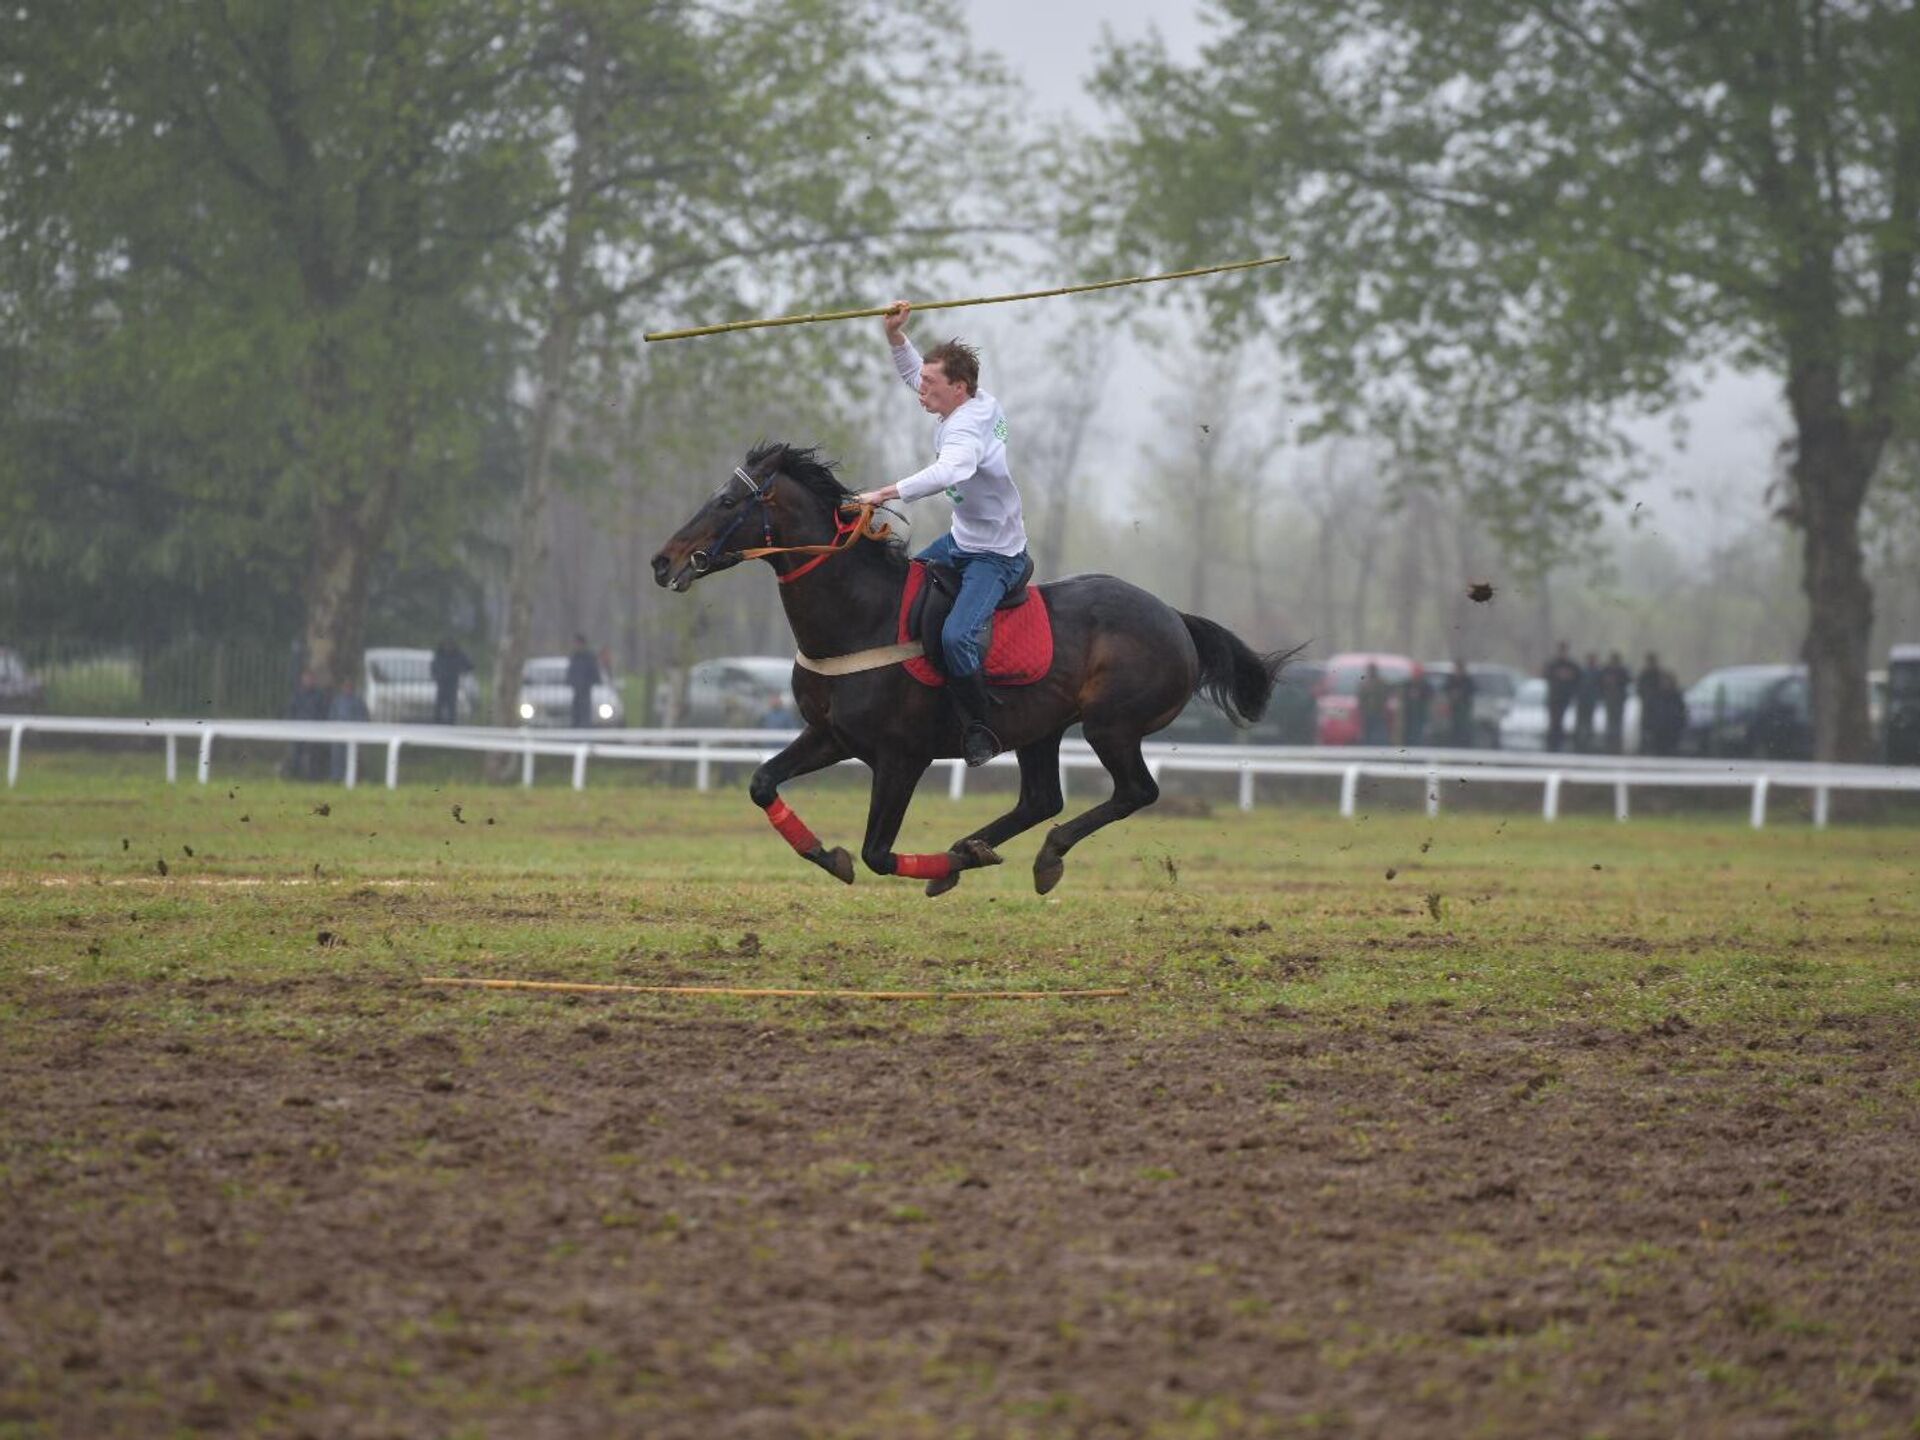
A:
x: 813, y: 749
x: 1133, y: 789
x: 894, y: 782
x: 1040, y: 799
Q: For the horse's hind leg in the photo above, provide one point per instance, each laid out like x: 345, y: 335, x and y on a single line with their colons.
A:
x: 1040, y: 799
x: 894, y: 781
x: 1133, y: 788
x: 811, y: 750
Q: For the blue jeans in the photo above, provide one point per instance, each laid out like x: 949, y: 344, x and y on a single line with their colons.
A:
x: 985, y: 579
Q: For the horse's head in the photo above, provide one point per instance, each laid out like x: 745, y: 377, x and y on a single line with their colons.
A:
x: 778, y: 495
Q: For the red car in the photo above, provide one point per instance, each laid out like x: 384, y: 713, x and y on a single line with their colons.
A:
x: 1337, y: 697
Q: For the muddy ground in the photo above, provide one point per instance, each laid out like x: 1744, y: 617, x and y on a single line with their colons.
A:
x: 616, y: 1219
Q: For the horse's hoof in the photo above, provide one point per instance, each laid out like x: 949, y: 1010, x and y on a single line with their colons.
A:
x: 1047, y: 870
x: 978, y: 852
x: 943, y: 884
x: 839, y: 864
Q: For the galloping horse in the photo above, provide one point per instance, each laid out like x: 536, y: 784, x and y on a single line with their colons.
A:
x: 1125, y: 664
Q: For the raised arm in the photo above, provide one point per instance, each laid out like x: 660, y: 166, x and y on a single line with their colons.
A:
x: 906, y: 359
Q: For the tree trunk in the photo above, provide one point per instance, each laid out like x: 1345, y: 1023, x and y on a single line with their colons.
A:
x: 529, y: 556
x: 1201, y: 534
x: 552, y: 386
x: 1417, y: 533
x: 347, y: 531
x: 1831, y: 479
x: 336, y: 595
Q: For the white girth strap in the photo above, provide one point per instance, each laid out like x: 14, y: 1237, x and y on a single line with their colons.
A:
x: 859, y: 660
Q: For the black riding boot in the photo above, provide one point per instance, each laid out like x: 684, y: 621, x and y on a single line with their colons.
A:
x: 968, y: 694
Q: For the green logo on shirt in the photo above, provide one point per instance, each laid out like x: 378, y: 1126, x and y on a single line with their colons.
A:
x: 1000, y: 429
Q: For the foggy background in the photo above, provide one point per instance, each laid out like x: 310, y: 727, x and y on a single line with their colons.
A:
x: 1147, y: 443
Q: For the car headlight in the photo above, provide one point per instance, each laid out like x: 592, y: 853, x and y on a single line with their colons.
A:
x: 526, y: 710
x: 606, y: 712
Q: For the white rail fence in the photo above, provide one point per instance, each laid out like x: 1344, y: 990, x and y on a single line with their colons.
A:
x: 705, y: 750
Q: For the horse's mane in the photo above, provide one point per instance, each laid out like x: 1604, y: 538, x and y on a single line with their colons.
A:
x: 803, y: 466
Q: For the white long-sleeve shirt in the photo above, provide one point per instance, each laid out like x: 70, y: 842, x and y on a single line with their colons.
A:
x: 970, y: 464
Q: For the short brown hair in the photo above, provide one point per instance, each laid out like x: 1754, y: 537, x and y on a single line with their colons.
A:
x: 959, y: 362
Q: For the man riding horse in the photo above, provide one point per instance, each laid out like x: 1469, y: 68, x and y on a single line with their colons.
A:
x: 988, y: 542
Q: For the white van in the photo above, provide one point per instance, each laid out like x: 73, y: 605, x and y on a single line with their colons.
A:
x: 547, y: 699
x: 742, y: 692
x: 398, y: 687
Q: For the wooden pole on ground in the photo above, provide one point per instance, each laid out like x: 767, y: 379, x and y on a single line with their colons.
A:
x: 569, y: 987
x: 873, y: 312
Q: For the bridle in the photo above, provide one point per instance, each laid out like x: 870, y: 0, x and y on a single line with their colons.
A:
x: 846, y: 533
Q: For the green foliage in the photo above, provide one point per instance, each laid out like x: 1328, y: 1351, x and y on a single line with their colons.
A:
x: 1510, y: 221
x: 276, y: 277
x: 243, y: 262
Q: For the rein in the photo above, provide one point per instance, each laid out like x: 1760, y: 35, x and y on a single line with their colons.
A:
x: 846, y: 534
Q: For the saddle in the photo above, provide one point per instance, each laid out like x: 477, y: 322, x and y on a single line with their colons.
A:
x: 1020, y: 650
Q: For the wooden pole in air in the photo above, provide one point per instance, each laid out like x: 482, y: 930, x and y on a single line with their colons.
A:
x: 875, y: 311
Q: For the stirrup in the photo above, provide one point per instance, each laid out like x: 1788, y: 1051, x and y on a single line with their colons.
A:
x: 979, y: 744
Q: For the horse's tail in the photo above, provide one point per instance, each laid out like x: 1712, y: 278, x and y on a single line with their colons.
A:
x: 1233, y: 675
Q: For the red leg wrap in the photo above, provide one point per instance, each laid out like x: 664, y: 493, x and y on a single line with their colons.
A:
x: 923, y: 867
x: 792, y: 827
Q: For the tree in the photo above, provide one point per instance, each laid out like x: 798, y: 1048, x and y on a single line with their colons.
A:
x: 1203, y: 489
x: 702, y: 157
x: 269, y: 225
x: 1545, y: 211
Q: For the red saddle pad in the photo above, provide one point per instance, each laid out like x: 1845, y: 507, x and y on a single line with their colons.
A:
x: 1020, y: 652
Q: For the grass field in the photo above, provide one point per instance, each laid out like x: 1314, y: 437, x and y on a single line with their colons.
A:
x: 1466, y: 1126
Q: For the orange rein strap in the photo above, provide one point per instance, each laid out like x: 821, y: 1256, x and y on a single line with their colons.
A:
x: 847, y: 533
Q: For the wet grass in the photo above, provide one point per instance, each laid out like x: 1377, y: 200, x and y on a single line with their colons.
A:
x: 1203, y: 913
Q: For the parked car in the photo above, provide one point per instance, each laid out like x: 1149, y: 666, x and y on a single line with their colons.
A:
x: 1524, y: 726
x: 397, y: 685
x: 1762, y: 711
x: 1289, y: 719
x: 738, y: 692
x: 1338, y: 694
x: 547, y: 699
x: 1901, y: 744
x: 20, y: 691
x: 1493, y: 691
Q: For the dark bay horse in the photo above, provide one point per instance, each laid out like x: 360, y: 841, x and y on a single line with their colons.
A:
x: 1125, y: 664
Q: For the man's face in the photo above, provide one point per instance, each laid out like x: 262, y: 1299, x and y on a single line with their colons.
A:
x: 939, y: 395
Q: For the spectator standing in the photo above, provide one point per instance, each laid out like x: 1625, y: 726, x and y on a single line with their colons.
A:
x: 448, y: 666
x: 1647, y: 686
x: 1373, y: 707
x: 583, y: 673
x: 348, y: 704
x: 1460, y: 707
x: 307, y: 759
x: 1663, y: 710
x: 1586, y: 699
x: 1562, y: 674
x: 779, y: 714
x: 1673, y: 713
x: 1415, y: 698
x: 1615, y: 681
